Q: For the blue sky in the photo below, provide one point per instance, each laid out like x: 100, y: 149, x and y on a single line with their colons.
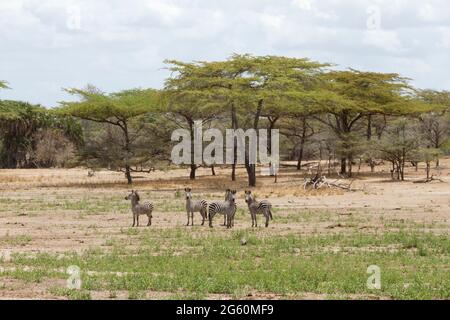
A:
x: 46, y: 45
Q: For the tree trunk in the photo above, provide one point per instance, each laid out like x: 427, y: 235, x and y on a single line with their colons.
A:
x: 128, y: 174
x: 393, y: 170
x: 302, y: 145
x: 369, y: 127
x: 350, y: 167
x: 300, y: 158
x: 372, y: 165
x: 251, y: 172
x: 124, y: 128
x: 343, y: 166
x: 403, y: 165
x: 193, y: 170
x: 251, y: 168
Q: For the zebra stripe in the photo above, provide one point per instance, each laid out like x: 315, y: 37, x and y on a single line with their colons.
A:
x: 263, y: 207
x: 138, y: 209
x: 227, y: 208
x: 195, y: 206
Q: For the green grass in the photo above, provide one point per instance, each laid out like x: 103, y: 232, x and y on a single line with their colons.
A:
x: 413, y: 265
x: 71, y: 294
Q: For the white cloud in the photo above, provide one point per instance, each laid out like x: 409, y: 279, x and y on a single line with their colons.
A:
x: 385, y: 40
x: 166, y: 10
x: 121, y: 44
x: 302, y: 4
x: 444, y: 42
x: 272, y: 21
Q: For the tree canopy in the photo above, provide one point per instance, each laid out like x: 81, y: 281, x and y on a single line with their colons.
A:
x: 117, y: 109
x: 3, y: 85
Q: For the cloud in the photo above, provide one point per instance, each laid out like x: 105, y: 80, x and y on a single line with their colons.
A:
x: 49, y: 44
x: 385, y: 40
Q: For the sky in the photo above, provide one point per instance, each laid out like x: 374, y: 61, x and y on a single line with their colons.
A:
x: 48, y: 45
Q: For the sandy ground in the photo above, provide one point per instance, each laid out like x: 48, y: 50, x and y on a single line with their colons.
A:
x: 25, y: 214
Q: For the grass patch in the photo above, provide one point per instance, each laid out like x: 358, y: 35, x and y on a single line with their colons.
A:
x: 176, y: 261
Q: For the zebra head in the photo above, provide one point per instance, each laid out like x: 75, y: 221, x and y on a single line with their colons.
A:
x: 133, y: 196
x: 231, y: 195
x: 248, y: 196
x: 188, y: 192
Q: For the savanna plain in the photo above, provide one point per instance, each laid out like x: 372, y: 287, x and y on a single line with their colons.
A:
x: 319, y: 245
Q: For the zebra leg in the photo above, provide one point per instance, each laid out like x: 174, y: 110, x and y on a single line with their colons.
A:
x: 137, y: 219
x: 188, y: 216
x: 149, y: 220
x: 211, y: 216
x: 134, y: 220
x: 192, y: 218
x: 203, y: 216
x: 232, y: 221
x: 224, y: 220
x: 267, y: 219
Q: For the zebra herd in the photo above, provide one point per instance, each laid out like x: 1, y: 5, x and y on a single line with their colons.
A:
x: 227, y: 208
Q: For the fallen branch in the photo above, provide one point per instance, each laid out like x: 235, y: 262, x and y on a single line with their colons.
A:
x: 429, y: 180
x: 318, y: 182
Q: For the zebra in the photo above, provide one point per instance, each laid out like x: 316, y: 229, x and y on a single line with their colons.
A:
x: 258, y: 207
x: 139, y: 209
x: 227, y: 208
x: 195, y: 206
x: 227, y: 196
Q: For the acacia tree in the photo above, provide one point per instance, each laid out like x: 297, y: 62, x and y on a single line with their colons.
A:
x: 252, y: 90
x: 361, y: 94
x: 190, y: 96
x: 434, y: 124
x: 399, y: 145
x: 260, y: 90
x: 121, y: 110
